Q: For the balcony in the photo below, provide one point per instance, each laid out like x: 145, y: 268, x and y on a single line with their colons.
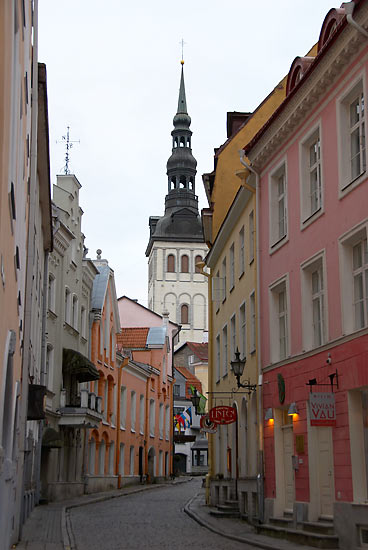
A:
x: 84, y: 412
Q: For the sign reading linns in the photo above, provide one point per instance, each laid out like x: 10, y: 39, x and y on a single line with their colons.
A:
x: 223, y: 415
x: 322, y: 409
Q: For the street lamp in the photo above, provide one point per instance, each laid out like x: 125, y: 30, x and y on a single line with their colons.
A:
x: 195, y: 399
x: 237, y: 367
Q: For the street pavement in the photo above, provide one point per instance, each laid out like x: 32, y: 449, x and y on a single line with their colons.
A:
x: 156, y: 516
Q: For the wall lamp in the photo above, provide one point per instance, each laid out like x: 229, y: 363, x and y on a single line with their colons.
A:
x: 195, y: 399
x: 293, y: 409
x: 269, y: 414
x: 237, y: 367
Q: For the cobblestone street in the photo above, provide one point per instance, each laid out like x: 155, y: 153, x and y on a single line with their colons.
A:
x: 151, y: 519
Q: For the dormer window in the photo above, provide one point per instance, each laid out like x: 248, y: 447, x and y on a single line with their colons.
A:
x: 330, y: 25
x: 298, y: 69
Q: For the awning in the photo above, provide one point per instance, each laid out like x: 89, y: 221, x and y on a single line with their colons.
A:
x: 51, y: 439
x: 79, y: 366
x: 200, y: 444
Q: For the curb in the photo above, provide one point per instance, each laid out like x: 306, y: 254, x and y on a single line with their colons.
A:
x: 249, y: 540
x: 66, y: 527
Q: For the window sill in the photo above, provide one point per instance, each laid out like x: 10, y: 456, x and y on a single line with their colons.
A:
x: 231, y: 289
x: 251, y: 261
x: 311, y: 218
x: 225, y: 375
x: 278, y: 244
x: 345, y: 189
x: 132, y: 431
x: 241, y: 275
x: 252, y: 351
x: 51, y: 314
x: 122, y: 428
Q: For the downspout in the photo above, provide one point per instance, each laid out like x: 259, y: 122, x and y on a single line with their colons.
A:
x: 26, y: 358
x: 120, y: 367
x: 211, y: 446
x: 349, y: 9
x: 172, y: 431
x: 258, y: 351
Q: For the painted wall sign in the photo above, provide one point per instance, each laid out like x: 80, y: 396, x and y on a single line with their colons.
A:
x: 322, y: 409
x: 223, y: 415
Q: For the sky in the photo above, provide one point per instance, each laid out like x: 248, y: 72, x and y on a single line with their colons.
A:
x: 113, y: 74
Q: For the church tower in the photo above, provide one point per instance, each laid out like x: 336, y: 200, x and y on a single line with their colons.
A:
x: 176, y: 242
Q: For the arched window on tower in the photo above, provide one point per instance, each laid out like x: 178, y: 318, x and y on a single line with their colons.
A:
x: 175, y: 142
x: 171, y: 263
x: 182, y: 141
x: 173, y: 182
x: 184, y: 314
x: 196, y: 261
x: 184, y: 265
x: 188, y: 142
x: 183, y: 182
x: 191, y: 182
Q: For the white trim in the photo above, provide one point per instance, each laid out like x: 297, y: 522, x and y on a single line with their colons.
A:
x: 275, y: 241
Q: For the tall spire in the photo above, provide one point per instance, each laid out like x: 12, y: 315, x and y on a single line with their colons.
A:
x: 182, y: 103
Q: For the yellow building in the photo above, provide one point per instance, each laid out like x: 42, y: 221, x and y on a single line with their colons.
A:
x: 235, y: 450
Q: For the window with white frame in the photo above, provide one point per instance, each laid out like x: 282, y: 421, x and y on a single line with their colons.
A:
x: 232, y: 337
x: 51, y: 292
x: 83, y: 322
x: 152, y: 417
x: 232, y: 267
x: 217, y: 290
x: 241, y: 252
x: 49, y: 366
x: 161, y: 421
x: 123, y: 406
x: 75, y: 311
x: 252, y: 303
x: 106, y: 401
x: 141, y: 414
x: 224, y: 350
x: 354, y: 278
x: 133, y: 410
x: 351, y: 120
x: 278, y: 205
x: 279, y: 321
x: 224, y: 279
x: 313, y: 303
x: 243, y: 330
x: 218, y: 358
x: 311, y: 175
x: 67, y: 305
x: 131, y: 461
x: 167, y: 422
x: 251, y: 236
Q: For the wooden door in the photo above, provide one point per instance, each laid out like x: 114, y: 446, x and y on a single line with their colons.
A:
x: 288, y: 468
x: 326, y: 474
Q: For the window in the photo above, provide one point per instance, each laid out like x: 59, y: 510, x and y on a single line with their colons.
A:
x: 141, y: 414
x: 232, y: 337
x: 171, y: 263
x: 75, y: 311
x: 232, y: 267
x: 252, y: 301
x: 49, y: 366
x: 360, y: 283
x: 243, y: 331
x: 313, y: 303
x: 152, y: 418
x: 241, y: 252
x: 224, y: 350
x: 161, y: 421
x: 122, y: 459
x: 251, y: 236
x: 83, y: 322
x: 218, y: 361
x: 176, y: 390
x: 123, y: 406
x: 311, y: 175
x: 106, y: 401
x: 133, y: 410
x: 279, y: 326
x: 51, y: 293
x: 68, y: 300
x: 131, y: 461
x: 167, y: 422
x: 278, y: 206
x: 352, y: 150
x: 184, y: 314
x: 224, y: 279
x: 197, y: 260
x: 184, y: 264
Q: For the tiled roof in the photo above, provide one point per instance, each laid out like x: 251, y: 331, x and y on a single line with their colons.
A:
x: 132, y: 338
x: 200, y: 350
x: 190, y: 380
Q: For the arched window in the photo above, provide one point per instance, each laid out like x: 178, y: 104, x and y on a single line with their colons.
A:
x: 184, y: 314
x: 184, y: 266
x: 68, y: 299
x: 196, y: 261
x: 182, y: 141
x: 171, y: 263
x: 75, y: 311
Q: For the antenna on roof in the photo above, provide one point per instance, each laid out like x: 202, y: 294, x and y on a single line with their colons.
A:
x: 68, y: 145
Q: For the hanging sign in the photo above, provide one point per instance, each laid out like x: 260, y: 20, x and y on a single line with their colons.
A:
x: 322, y: 409
x: 207, y: 426
x: 223, y: 415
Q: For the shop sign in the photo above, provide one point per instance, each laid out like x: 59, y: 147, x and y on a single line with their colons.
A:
x: 223, y: 415
x: 322, y: 409
x: 207, y: 426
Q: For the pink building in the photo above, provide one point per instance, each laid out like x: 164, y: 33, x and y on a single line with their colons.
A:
x: 309, y: 166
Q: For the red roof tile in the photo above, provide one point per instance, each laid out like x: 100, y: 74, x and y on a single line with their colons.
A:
x: 132, y: 338
x: 200, y: 350
x: 191, y: 380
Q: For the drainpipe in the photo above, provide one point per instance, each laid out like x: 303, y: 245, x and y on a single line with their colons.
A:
x: 260, y: 476
x: 349, y: 9
x: 210, y: 474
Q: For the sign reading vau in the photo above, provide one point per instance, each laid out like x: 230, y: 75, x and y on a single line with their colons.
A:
x: 223, y: 415
x: 322, y: 409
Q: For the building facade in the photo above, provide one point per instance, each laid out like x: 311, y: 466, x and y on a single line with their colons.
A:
x: 309, y: 163
x: 176, y: 244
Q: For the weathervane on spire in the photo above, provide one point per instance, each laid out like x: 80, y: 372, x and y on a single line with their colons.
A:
x: 68, y: 146
x: 182, y: 50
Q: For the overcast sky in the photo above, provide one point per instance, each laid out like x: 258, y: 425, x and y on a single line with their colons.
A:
x: 113, y: 71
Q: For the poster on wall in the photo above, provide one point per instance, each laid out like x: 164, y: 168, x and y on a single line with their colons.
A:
x: 322, y: 409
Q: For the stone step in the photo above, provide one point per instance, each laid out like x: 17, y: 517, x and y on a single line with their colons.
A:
x: 225, y: 513
x: 299, y: 536
x: 282, y: 521
x: 227, y: 507
x: 325, y: 527
x: 232, y: 502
